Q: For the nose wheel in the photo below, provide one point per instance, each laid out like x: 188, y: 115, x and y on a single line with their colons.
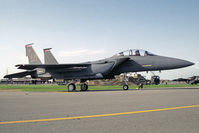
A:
x: 125, y: 87
x: 126, y: 79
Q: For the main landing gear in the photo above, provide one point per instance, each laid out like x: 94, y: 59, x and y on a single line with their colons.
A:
x: 72, y: 87
x: 84, y: 87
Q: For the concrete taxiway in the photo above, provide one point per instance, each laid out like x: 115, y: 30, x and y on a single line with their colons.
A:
x: 141, y: 111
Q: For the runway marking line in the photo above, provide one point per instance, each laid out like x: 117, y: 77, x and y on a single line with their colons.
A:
x: 95, y: 116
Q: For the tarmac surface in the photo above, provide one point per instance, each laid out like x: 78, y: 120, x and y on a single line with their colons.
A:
x: 174, y: 110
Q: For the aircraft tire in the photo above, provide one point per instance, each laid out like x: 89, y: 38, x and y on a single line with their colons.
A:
x: 71, y: 87
x: 84, y: 87
x: 125, y: 87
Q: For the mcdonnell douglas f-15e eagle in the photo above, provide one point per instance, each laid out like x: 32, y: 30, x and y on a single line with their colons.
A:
x: 123, y: 62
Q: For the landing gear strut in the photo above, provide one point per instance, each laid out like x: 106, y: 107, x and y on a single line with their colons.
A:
x: 126, y: 79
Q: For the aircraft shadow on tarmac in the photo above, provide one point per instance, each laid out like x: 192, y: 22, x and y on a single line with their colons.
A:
x: 143, y: 89
x: 102, y: 90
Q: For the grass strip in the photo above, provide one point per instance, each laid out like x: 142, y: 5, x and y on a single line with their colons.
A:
x: 62, y: 88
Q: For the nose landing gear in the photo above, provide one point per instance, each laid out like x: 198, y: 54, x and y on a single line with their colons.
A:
x: 126, y: 79
x: 125, y: 87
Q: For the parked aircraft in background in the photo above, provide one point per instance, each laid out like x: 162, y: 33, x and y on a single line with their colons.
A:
x: 123, y: 62
x: 190, y: 80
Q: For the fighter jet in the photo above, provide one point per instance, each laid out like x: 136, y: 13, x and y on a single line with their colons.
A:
x: 190, y: 80
x: 123, y: 62
x: 193, y: 80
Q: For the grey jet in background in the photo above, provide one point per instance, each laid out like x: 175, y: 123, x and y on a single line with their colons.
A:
x: 123, y: 62
x: 191, y: 80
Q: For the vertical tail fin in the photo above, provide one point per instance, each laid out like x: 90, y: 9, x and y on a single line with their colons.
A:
x: 49, y: 57
x: 31, y: 54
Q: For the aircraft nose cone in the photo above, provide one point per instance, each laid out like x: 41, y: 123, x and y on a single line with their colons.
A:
x: 188, y: 63
x: 173, y: 63
x: 181, y: 63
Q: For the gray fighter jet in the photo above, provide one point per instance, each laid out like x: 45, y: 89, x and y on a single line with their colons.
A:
x: 190, y: 80
x: 123, y: 62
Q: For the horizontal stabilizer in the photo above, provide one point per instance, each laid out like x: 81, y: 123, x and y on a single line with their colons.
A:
x: 18, y: 75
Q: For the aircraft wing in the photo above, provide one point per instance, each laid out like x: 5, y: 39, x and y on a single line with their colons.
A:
x: 106, y: 66
x: 19, y: 75
x: 53, y: 66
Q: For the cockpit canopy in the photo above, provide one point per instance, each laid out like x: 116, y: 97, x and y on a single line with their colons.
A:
x: 135, y: 52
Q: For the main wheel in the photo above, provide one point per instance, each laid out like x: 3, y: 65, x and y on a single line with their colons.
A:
x: 84, y: 87
x: 71, y: 87
x: 125, y: 87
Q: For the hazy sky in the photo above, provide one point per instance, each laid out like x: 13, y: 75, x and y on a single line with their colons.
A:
x: 82, y: 30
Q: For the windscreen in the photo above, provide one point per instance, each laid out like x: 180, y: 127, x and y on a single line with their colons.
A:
x: 135, y: 52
